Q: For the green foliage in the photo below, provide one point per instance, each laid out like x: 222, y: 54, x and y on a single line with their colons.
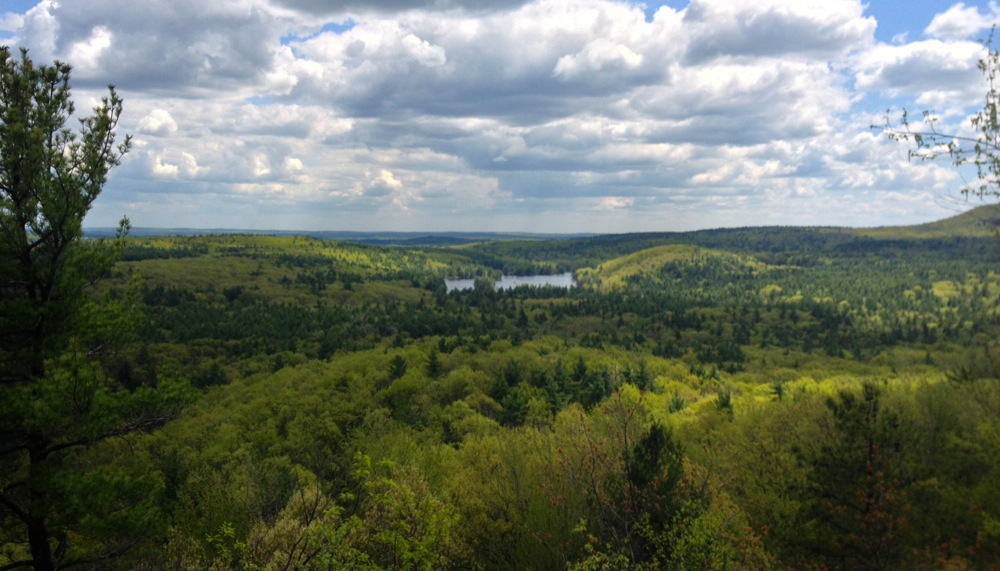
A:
x: 408, y: 527
x: 522, y: 428
x: 209, y: 376
x: 857, y: 502
x: 360, y: 416
x: 724, y: 402
x: 66, y: 385
x: 434, y: 367
x: 49, y: 177
x: 393, y: 521
x: 397, y: 367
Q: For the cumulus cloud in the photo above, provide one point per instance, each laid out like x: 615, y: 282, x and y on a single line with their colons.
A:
x: 754, y: 28
x: 86, y: 53
x: 524, y: 65
x: 163, y: 169
x: 39, y: 30
x: 615, y: 203
x: 158, y: 122
x: 11, y: 22
x: 394, y: 6
x: 597, y: 56
x: 479, y: 115
x: 187, y: 46
x: 962, y: 22
x: 935, y: 71
x: 173, y: 165
x: 381, y: 183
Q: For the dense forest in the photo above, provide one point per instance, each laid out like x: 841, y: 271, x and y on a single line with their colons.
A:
x: 816, y: 398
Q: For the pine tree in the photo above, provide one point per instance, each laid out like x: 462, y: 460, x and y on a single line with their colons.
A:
x: 57, y: 396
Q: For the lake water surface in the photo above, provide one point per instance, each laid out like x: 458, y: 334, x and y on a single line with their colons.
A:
x: 507, y: 282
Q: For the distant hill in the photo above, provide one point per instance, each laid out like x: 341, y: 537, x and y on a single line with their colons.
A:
x: 981, y: 221
x: 409, y: 239
x: 614, y: 273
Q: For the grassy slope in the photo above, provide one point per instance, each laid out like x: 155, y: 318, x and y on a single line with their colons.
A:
x: 614, y: 273
x: 981, y: 221
x: 260, y: 264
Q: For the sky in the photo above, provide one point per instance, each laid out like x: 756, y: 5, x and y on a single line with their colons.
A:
x: 603, y: 116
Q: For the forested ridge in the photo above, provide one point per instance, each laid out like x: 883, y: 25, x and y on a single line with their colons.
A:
x: 816, y: 398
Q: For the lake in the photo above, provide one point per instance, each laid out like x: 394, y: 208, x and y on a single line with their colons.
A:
x: 507, y: 282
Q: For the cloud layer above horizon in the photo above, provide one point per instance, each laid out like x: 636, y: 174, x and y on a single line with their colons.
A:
x: 546, y: 116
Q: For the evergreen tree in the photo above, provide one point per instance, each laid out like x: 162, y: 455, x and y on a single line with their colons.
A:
x: 434, y: 367
x: 397, y: 367
x: 57, y: 398
x: 855, y: 504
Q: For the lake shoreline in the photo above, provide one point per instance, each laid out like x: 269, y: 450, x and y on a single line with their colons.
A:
x: 564, y: 280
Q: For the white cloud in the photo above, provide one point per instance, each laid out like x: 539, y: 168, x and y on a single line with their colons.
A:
x: 615, y: 203
x: 86, y: 53
x: 961, y: 22
x: 11, y: 22
x: 457, y: 112
x: 933, y: 71
x: 189, y: 165
x: 392, y: 6
x: 185, y: 46
x: 158, y: 122
x: 597, y: 56
x: 162, y: 169
x: 293, y: 165
x: 39, y: 30
x: 261, y: 166
x: 755, y: 28
x: 173, y: 165
x: 383, y: 180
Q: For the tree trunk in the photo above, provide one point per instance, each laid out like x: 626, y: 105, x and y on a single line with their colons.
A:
x: 38, y: 539
x: 38, y: 533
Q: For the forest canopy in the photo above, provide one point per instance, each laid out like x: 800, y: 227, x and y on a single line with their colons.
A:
x: 759, y: 397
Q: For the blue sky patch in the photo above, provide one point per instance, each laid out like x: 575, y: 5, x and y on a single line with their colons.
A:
x: 650, y: 8
x: 909, y: 17
x: 260, y: 100
x: 334, y: 27
x: 18, y: 6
